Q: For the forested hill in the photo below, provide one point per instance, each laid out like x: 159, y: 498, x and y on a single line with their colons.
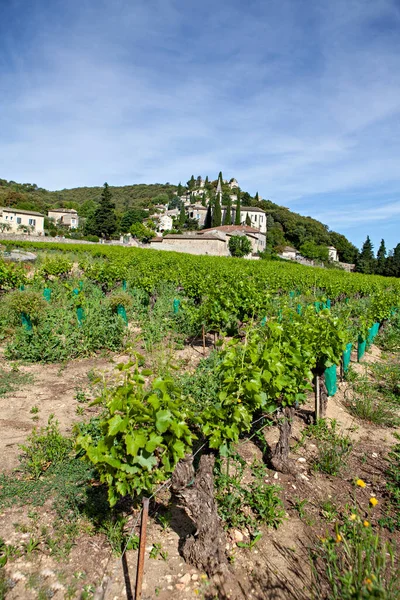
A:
x: 31, y: 197
x: 284, y: 226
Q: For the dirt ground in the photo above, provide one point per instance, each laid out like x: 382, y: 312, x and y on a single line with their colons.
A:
x: 277, y: 568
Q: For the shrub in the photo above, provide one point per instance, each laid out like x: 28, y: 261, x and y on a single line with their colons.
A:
x: 55, y: 266
x: 239, y: 246
x: 120, y: 299
x: 28, y: 302
x: 92, y: 238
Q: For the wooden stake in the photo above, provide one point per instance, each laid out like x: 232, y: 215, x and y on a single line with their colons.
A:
x: 204, y: 341
x: 317, y: 400
x: 142, y: 546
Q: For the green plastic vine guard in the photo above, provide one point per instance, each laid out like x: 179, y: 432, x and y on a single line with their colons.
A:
x: 299, y: 309
x: 346, y: 357
x: 26, y: 321
x: 346, y: 300
x: 328, y: 304
x: 81, y: 285
x: 176, y: 306
x: 80, y: 314
x: 370, y: 336
x: 280, y: 315
x: 124, y: 285
x: 317, y: 307
x: 292, y: 294
x: 263, y: 321
x: 21, y: 288
x: 330, y: 380
x: 122, y: 313
x: 376, y: 328
x: 361, y: 348
x: 324, y: 305
x: 47, y: 294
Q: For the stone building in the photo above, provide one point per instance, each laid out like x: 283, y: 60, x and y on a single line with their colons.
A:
x: 21, y: 221
x: 65, y: 216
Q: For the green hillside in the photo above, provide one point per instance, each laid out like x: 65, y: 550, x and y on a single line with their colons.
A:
x: 30, y: 197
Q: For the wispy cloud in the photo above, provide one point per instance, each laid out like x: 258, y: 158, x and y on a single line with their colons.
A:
x: 298, y: 99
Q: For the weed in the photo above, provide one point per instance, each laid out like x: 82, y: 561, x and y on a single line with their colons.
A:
x: 164, y: 519
x: 391, y: 520
x: 80, y: 396
x: 255, y: 537
x: 80, y: 410
x: 44, y: 448
x: 157, y: 551
x: 333, y: 446
x: 247, y: 505
x: 329, y: 510
x: 389, y: 335
x: 354, y: 562
x: 365, y: 402
x: 31, y: 545
x: 299, y: 506
x: 10, y: 381
x: 34, y: 410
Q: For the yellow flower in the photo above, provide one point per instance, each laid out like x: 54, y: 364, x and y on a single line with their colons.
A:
x: 361, y: 483
x: 373, y: 501
x: 368, y: 582
x: 196, y: 591
x: 353, y: 517
x: 366, y: 523
x: 239, y: 400
x: 338, y: 538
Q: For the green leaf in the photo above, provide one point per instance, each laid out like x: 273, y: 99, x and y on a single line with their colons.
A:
x: 154, y: 441
x: 163, y: 419
x: 134, y: 442
x: 116, y: 424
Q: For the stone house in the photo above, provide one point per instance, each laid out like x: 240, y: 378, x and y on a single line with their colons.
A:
x: 22, y: 221
x: 333, y: 254
x: 65, y: 216
x: 289, y: 252
x: 198, y: 212
x: 213, y: 242
x: 257, y: 216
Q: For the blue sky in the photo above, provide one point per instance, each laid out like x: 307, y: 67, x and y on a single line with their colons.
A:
x: 298, y: 99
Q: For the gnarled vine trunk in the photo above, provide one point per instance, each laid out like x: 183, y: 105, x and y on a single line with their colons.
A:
x: 323, y: 397
x: 206, y: 548
x: 280, y: 458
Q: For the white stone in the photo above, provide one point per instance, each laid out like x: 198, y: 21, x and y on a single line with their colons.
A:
x: 301, y: 459
x: 276, y: 476
x: 18, y: 576
x: 237, y: 535
x: 195, y: 577
x: 374, y: 455
x: 185, y: 579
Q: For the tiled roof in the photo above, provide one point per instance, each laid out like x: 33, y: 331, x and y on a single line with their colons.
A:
x: 22, y: 212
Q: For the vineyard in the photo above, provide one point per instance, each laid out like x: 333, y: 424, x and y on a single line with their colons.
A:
x: 254, y: 402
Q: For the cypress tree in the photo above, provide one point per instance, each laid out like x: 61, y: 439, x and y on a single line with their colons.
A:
x: 203, y: 200
x: 237, y: 212
x: 182, y: 215
x: 220, y: 177
x: 104, y: 222
x: 208, y: 219
x: 217, y: 214
x: 180, y: 190
x: 248, y: 220
x: 228, y: 212
x: 381, y: 259
x: 366, y: 261
x: 257, y: 197
x: 191, y: 183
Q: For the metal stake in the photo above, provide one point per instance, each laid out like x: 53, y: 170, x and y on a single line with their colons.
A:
x: 317, y: 399
x: 142, y: 546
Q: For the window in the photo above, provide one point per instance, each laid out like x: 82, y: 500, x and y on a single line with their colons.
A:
x: 6, y: 217
x: 261, y: 219
x: 32, y: 222
x: 11, y: 218
x: 19, y: 220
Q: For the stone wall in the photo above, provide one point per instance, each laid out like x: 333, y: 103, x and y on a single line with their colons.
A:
x: 40, y: 238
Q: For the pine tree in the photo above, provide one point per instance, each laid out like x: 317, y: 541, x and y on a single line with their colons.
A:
x: 104, y: 220
x: 237, y: 212
x: 248, y: 220
x: 208, y: 219
x: 381, y: 259
x: 182, y: 215
x: 228, y: 212
x: 366, y: 261
x: 217, y: 213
